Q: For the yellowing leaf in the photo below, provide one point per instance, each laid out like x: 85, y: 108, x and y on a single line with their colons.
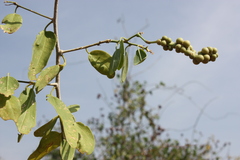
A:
x: 8, y: 85
x: 67, y: 119
x: 10, y: 108
x: 27, y: 119
x: 12, y: 23
x: 48, y: 143
x: 87, y: 140
x: 42, y: 49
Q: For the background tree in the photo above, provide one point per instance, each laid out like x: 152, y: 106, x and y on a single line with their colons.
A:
x: 131, y: 130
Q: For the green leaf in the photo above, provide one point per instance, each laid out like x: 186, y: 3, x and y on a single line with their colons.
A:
x: 10, y: 108
x: 46, y: 128
x: 124, y: 68
x: 100, y: 60
x: 8, y: 85
x: 73, y: 108
x: 140, y: 56
x: 12, y: 23
x: 46, y: 76
x: 66, y: 151
x: 27, y: 119
x: 48, y: 143
x: 115, y: 62
x: 67, y: 119
x: 122, y: 52
x: 117, y: 59
x: 87, y: 141
x: 42, y: 49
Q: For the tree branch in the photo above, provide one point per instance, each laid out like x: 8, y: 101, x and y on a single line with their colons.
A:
x: 58, y: 51
x: 106, y: 41
x: 30, y: 82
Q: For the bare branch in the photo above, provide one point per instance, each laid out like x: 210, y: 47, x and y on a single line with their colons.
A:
x: 17, y: 5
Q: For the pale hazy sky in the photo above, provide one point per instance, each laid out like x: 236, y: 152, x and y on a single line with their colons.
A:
x: 205, y: 23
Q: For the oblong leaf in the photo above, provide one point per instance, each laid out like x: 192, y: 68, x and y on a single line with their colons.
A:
x: 100, y: 60
x: 124, y: 68
x: 87, y: 140
x: 46, y: 76
x: 48, y: 143
x: 122, y: 52
x: 66, y: 151
x: 67, y: 119
x: 12, y: 23
x: 46, y: 128
x: 27, y: 119
x: 10, y: 108
x: 42, y: 49
x: 140, y: 56
x: 8, y: 85
x: 116, y: 59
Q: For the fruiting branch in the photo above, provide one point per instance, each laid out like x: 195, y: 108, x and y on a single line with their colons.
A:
x: 108, y: 41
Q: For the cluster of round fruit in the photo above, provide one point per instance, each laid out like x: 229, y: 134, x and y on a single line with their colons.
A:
x: 183, y: 46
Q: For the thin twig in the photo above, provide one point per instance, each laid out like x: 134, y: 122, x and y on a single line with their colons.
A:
x: 15, y: 3
x: 91, y: 45
x: 30, y: 82
x: 106, y: 41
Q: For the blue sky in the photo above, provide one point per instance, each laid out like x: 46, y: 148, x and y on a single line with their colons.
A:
x: 205, y: 23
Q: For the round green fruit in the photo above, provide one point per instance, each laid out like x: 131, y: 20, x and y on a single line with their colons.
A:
x: 205, y: 50
x: 213, y: 57
x: 188, y: 53
x: 165, y: 48
x: 183, y: 49
x: 159, y: 41
x: 195, y: 62
x: 210, y: 50
x: 177, y: 50
x: 199, y: 58
x: 192, y: 55
x: 178, y: 46
x: 170, y: 48
x: 163, y: 43
x: 214, y: 50
x: 168, y: 40
x: 190, y: 48
x: 179, y: 41
x: 206, y: 58
x: 164, y: 37
x: 186, y: 43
